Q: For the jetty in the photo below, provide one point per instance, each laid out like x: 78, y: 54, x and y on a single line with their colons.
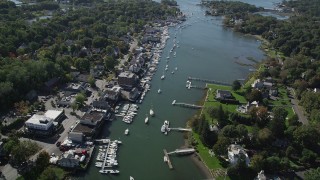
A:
x: 181, y: 129
x: 193, y: 106
x: 182, y: 151
x: 209, y: 81
x: 168, y: 161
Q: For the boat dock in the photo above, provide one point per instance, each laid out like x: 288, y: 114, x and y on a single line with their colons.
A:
x: 105, y: 157
x: 102, y: 141
x: 181, y: 129
x: 168, y: 159
x: 209, y: 81
x: 193, y: 106
x: 182, y: 151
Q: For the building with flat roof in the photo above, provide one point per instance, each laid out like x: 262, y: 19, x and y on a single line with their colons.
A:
x: 43, y: 124
x: 127, y: 80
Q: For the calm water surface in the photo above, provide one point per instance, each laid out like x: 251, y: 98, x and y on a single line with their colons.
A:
x: 207, y: 50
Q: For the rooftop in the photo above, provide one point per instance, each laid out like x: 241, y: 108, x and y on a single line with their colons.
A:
x: 93, y: 116
x: 39, y: 119
x: 53, y: 114
x: 126, y: 75
x: 82, y: 128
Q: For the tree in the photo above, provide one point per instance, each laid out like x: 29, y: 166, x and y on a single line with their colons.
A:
x: 92, y: 81
x: 42, y: 161
x: 221, y: 146
x: 80, y: 98
x: 313, y: 174
x: 262, y: 116
x: 74, y: 106
x: 257, y: 162
x: 277, y: 124
x: 306, y: 136
x: 273, y: 164
x: 255, y: 95
x: 265, y: 137
x: 236, y: 85
x: 52, y: 173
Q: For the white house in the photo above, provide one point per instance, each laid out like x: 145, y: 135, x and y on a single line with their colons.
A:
x: 234, y: 153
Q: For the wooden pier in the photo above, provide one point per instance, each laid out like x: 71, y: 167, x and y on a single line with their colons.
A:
x: 209, y: 81
x: 181, y: 129
x: 193, y: 106
x: 168, y: 159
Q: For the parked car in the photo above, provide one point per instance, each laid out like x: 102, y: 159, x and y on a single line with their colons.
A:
x: 58, y: 143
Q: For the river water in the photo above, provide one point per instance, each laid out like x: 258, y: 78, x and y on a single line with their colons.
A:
x: 207, y: 50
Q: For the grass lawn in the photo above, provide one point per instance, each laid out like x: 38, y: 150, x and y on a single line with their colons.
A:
x: 283, y: 100
x: 212, y: 162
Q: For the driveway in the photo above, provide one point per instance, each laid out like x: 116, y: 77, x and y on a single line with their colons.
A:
x: 296, y: 107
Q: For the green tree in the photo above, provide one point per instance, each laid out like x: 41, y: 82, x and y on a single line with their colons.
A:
x: 42, y: 161
x: 313, y: 174
x: 80, y: 98
x: 265, y: 137
x: 277, y: 124
x: 236, y: 85
x: 257, y: 162
x: 92, y: 81
x: 221, y: 147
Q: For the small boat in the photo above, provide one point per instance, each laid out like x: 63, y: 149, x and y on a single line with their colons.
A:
x: 176, y: 68
x: 151, y: 112
x: 114, y: 171
x: 165, y: 159
x: 172, y: 72
x: 162, y: 77
x: 126, y: 132
x: 159, y: 91
x: 146, y: 120
x: 131, y: 178
x: 168, y: 57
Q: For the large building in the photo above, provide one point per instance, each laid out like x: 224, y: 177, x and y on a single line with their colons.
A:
x: 43, y: 124
x: 127, y: 80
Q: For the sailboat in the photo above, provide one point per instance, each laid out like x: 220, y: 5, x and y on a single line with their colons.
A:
x: 126, y: 132
x: 151, y: 112
x: 146, y: 120
x: 162, y: 77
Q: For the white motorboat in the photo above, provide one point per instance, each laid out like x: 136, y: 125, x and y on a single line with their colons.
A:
x: 162, y: 77
x: 163, y: 128
x: 159, y: 91
x: 168, y: 57
x: 146, y: 120
x: 131, y: 178
x: 172, y: 72
x: 166, y: 69
x: 176, y: 68
x: 126, y: 132
x: 114, y: 171
x: 151, y: 112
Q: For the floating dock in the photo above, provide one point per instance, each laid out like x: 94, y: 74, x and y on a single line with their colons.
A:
x: 182, y: 151
x: 168, y: 159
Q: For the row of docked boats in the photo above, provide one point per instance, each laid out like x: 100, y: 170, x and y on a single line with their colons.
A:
x: 128, y: 112
x: 107, y: 157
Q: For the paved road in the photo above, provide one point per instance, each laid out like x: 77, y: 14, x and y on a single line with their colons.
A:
x: 297, y: 108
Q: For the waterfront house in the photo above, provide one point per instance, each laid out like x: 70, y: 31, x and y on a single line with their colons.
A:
x: 68, y: 160
x: 223, y: 95
x: 235, y: 152
x: 247, y: 107
x: 257, y: 84
x: 101, y: 104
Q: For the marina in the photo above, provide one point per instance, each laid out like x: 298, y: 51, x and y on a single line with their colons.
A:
x: 208, y: 60
x: 106, y: 158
